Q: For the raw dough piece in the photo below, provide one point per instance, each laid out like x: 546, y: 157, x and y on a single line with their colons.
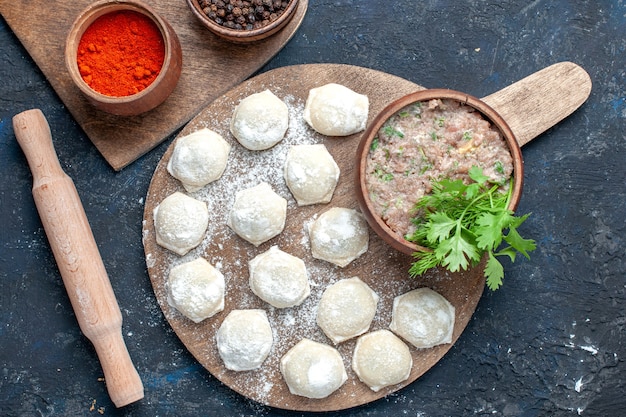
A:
x: 244, y: 339
x: 381, y: 359
x: 258, y: 214
x: 311, y: 174
x: 335, y: 110
x: 180, y: 222
x: 346, y: 309
x: 260, y: 121
x: 279, y: 278
x: 312, y: 369
x: 198, y: 159
x: 339, y: 235
x: 196, y: 289
x: 423, y: 317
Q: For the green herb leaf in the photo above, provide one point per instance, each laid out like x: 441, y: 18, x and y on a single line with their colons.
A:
x: 463, y: 223
x: 494, y: 272
x: 489, y: 228
x: 383, y: 175
x: 424, y: 261
x: 507, y: 251
x: 518, y: 243
x: 391, y: 131
x: 476, y: 174
x: 374, y: 144
x: 456, y: 252
x: 439, y: 227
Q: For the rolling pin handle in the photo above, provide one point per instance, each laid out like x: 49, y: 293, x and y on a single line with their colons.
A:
x: 120, y: 376
x: 33, y: 134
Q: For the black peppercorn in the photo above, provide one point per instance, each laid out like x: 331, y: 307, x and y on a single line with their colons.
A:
x: 243, y: 14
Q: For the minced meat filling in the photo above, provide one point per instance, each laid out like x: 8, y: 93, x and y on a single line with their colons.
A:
x: 426, y: 141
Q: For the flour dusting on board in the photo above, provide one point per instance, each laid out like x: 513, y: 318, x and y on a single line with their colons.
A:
x: 381, y: 268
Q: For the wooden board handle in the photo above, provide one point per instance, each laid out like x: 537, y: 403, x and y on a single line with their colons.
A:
x: 536, y: 103
x: 77, y: 256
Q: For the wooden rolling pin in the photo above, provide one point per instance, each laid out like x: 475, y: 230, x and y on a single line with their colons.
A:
x: 78, y: 258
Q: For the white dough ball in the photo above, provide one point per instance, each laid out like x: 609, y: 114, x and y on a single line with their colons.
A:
x: 279, y: 278
x: 258, y: 214
x: 423, y: 318
x: 346, y: 309
x: 260, y: 121
x: 311, y: 174
x: 312, y: 369
x: 198, y: 159
x: 196, y: 289
x: 244, y: 339
x: 180, y: 222
x: 335, y: 110
x: 381, y: 359
x: 339, y: 235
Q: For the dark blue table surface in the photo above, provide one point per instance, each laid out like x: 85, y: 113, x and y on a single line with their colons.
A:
x: 551, y: 342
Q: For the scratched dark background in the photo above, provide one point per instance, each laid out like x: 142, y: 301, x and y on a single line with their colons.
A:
x: 551, y: 342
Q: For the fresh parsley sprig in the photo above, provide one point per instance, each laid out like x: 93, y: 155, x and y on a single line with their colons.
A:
x: 461, y: 222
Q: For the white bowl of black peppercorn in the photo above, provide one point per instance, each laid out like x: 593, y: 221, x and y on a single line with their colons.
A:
x: 243, y: 21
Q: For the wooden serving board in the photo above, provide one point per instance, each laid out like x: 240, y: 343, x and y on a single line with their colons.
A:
x: 384, y: 269
x: 546, y: 96
x: 211, y: 67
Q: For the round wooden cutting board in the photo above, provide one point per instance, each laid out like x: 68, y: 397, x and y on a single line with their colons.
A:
x: 382, y: 268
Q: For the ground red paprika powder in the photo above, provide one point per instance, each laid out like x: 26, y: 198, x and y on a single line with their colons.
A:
x: 120, y: 53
